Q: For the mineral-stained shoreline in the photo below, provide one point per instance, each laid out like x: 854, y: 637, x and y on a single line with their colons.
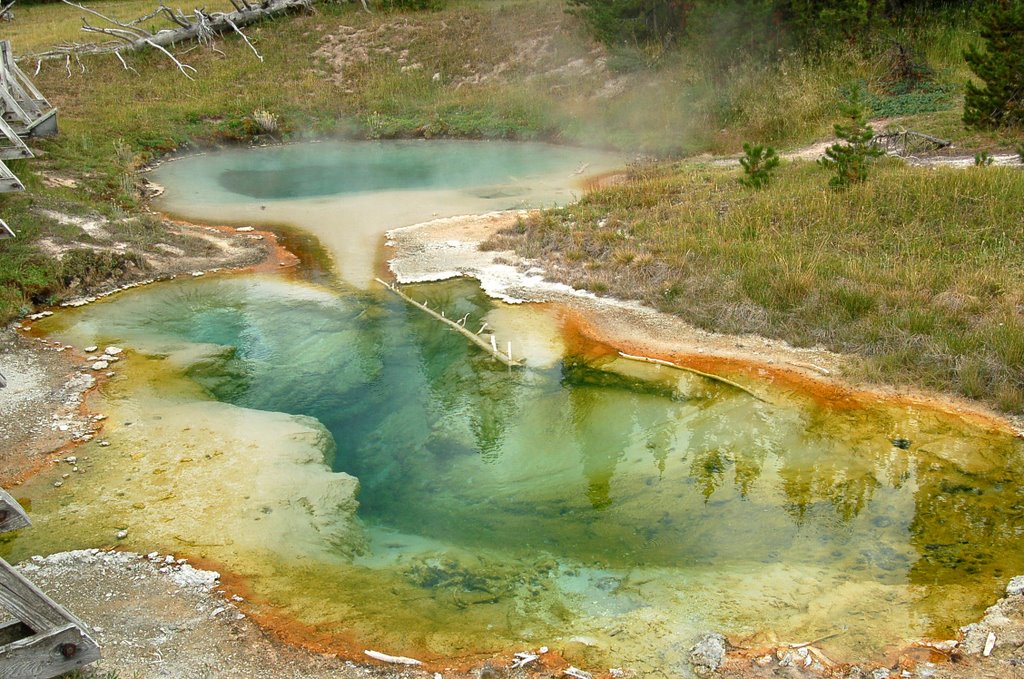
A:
x: 156, y: 616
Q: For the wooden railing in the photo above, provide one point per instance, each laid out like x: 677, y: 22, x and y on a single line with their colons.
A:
x: 24, y: 112
x: 42, y: 639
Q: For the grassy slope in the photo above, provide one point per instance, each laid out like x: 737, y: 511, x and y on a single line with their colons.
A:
x: 728, y: 259
x: 918, y: 270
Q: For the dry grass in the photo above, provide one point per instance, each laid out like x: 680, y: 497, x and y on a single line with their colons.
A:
x: 918, y: 270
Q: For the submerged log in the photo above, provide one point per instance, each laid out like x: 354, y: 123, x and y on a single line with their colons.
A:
x: 710, y: 376
x: 491, y: 348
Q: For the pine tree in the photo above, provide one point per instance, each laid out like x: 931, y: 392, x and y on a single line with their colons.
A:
x: 1000, y: 67
x: 758, y: 162
x: 850, y: 160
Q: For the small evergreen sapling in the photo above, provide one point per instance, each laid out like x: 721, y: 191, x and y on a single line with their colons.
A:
x: 850, y: 160
x: 758, y: 163
x: 1000, y: 67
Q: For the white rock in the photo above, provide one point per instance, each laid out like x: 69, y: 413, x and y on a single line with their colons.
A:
x: 990, y: 643
x: 58, y: 484
x: 71, y: 459
x: 104, y: 443
x: 100, y: 365
x: 113, y: 351
x: 245, y: 229
x: 1015, y: 586
x: 196, y: 274
x: 122, y: 534
x: 90, y: 349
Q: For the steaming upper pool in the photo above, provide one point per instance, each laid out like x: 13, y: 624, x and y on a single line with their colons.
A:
x: 349, y: 193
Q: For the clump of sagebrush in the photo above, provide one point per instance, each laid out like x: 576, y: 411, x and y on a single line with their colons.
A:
x: 849, y: 161
x: 917, y: 271
x: 758, y: 162
x: 264, y: 121
x: 1000, y: 101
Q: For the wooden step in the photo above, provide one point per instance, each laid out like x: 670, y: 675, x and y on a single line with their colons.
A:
x: 8, y: 182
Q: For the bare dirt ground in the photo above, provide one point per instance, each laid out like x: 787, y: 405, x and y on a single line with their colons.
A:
x: 157, y: 617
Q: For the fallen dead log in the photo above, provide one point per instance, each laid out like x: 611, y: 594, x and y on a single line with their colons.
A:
x: 710, y: 376
x: 460, y: 327
x: 199, y: 26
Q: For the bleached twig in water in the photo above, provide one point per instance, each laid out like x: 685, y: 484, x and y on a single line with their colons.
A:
x: 393, y: 659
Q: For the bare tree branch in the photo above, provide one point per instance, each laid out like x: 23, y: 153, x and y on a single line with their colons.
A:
x: 131, y: 29
x: 117, y: 53
x: 243, y: 36
x: 181, y: 66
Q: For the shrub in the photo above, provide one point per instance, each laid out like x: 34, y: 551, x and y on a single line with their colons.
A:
x: 983, y: 159
x: 1000, y: 67
x: 758, y: 163
x: 633, y: 22
x: 400, y: 5
x: 85, y: 268
x: 850, y: 160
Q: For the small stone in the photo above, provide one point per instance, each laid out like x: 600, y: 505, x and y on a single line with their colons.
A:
x: 90, y: 349
x: 902, y: 444
x: 58, y: 484
x: 196, y: 274
x: 65, y: 475
x: 245, y: 229
x: 104, y: 444
x: 708, y: 654
x: 100, y: 365
x: 1016, y: 586
x: 880, y: 673
x: 113, y: 351
x: 71, y: 459
x: 122, y: 534
x: 152, y: 556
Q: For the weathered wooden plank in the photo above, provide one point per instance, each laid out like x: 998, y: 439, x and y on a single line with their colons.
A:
x: 12, y: 516
x: 50, y: 654
x: 8, y: 182
x: 28, y: 603
x: 22, y: 104
x: 25, y: 85
x: 11, y: 145
x: 14, y: 630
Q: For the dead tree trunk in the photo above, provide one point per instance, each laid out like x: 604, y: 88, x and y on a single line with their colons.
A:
x: 200, y: 26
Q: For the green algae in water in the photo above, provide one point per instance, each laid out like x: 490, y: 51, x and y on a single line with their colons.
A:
x: 498, y: 509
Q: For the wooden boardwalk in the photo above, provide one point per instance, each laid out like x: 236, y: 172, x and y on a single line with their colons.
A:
x: 24, y: 112
x: 41, y: 639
